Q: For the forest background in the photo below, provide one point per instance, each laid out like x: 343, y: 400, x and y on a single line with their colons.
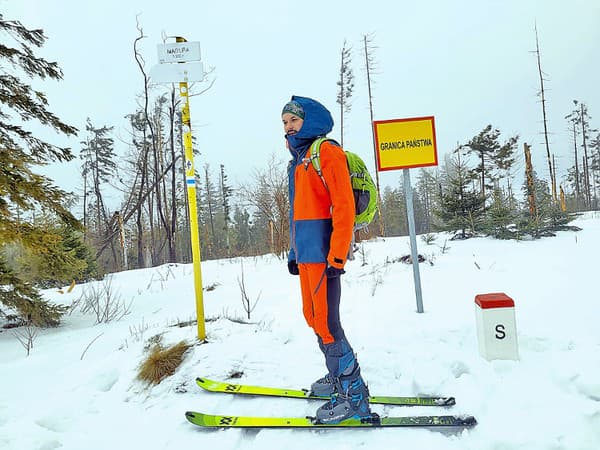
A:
x: 130, y: 208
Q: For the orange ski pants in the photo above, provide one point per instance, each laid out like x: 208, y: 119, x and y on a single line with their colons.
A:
x: 321, y: 301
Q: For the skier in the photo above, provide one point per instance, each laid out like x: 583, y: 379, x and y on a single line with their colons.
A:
x: 321, y: 227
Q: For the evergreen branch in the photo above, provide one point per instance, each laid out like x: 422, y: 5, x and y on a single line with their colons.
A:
x: 18, y: 31
x: 18, y: 96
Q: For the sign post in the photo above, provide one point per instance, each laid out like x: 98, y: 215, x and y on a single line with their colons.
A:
x: 405, y: 144
x: 187, y: 67
x: 414, y: 254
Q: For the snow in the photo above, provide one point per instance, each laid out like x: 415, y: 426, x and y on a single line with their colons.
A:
x: 78, y: 388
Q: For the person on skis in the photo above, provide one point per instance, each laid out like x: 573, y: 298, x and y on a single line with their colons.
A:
x: 321, y: 229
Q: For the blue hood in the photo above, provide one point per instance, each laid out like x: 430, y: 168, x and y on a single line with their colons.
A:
x: 317, y: 122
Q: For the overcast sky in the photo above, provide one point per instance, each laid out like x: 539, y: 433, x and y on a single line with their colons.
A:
x: 468, y: 63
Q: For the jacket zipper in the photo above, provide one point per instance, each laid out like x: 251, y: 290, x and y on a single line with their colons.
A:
x: 293, y: 210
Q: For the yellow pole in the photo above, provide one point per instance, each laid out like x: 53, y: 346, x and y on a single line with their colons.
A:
x: 190, y: 178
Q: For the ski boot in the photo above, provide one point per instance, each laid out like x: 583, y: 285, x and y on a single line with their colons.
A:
x: 323, y: 387
x: 350, y: 396
x: 351, y: 400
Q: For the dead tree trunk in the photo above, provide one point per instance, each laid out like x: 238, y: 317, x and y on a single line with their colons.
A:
x: 369, y: 65
x: 173, y: 224
x: 542, y: 94
x: 577, y: 181
x: 530, y: 183
x: 586, y: 170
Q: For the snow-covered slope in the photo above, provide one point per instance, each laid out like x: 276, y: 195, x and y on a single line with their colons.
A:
x: 78, y: 389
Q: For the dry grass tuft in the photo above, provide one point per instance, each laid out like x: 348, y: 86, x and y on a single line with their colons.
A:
x: 162, y: 362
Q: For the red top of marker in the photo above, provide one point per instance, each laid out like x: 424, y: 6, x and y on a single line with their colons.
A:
x: 494, y: 300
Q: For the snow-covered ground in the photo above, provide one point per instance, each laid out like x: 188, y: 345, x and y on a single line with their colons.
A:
x: 78, y: 389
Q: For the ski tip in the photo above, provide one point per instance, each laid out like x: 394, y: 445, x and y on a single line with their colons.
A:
x: 468, y: 421
x: 448, y: 401
x: 202, y: 382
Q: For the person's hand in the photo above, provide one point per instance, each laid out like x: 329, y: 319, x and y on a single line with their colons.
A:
x: 293, y: 267
x: 334, y: 272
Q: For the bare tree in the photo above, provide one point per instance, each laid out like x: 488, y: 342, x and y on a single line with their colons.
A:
x: 162, y: 206
x: 595, y: 145
x: 585, y: 130
x: 268, y: 194
x: 543, y: 101
x: 572, y: 118
x: 103, y: 302
x: 143, y: 160
x: 370, y: 70
x: 246, y: 302
x: 345, y: 85
x: 209, y: 199
x: 579, y: 119
x: 26, y: 337
x: 173, y: 225
x: 226, y: 193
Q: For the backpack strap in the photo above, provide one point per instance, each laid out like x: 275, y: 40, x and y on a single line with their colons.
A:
x: 315, y: 157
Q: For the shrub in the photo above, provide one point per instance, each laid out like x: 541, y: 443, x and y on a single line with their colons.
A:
x: 162, y: 362
x: 103, y: 301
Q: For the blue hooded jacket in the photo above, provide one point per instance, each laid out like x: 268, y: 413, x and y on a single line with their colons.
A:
x: 317, y: 123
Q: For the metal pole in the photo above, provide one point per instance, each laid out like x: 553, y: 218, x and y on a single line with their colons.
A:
x: 190, y: 179
x: 410, y: 213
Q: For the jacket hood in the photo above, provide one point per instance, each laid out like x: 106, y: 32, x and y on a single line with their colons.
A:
x: 317, y: 122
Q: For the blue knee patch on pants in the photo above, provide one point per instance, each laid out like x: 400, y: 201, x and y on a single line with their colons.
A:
x: 339, y: 358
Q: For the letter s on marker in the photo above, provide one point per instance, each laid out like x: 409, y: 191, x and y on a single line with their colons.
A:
x: 500, y: 333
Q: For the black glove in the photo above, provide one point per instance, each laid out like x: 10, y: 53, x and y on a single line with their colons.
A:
x: 293, y: 267
x: 334, y: 272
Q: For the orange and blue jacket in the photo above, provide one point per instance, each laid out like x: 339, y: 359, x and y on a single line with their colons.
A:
x: 321, y: 210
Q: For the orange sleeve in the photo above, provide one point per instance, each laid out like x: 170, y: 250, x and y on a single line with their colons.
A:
x: 335, y: 171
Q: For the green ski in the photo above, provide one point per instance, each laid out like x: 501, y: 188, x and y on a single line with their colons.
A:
x: 243, y: 389
x: 217, y: 421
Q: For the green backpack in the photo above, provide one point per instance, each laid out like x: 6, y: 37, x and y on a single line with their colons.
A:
x: 365, y: 191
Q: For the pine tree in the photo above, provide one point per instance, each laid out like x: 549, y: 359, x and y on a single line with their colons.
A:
x: 208, y: 215
x: 461, y: 208
x: 500, y: 216
x: 493, y: 158
x: 548, y: 218
x: 65, y: 258
x: 97, y: 169
x: 428, y: 197
x: 22, y: 191
x: 241, y: 231
x: 394, y: 211
x: 20, y: 297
